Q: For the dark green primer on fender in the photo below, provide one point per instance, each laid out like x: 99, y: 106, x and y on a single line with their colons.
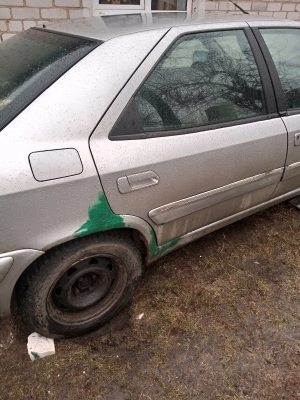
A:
x: 159, y: 250
x: 101, y: 218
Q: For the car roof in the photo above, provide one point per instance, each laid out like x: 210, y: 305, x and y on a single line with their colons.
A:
x: 107, y: 27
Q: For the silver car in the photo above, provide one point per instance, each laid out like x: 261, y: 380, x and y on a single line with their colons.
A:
x: 123, y: 138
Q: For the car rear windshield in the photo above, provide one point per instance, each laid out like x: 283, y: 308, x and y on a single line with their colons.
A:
x: 31, y: 62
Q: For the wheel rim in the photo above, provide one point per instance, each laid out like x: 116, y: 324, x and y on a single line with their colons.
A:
x: 84, y: 284
x: 87, y: 290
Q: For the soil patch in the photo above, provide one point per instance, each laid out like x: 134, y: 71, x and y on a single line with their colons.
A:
x: 221, y: 320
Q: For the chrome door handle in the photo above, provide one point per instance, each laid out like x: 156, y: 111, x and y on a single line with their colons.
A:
x: 297, y: 139
x: 137, y: 181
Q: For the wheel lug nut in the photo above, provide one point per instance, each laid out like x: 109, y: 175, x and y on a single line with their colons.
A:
x: 94, y: 276
x: 91, y: 289
x: 76, y: 291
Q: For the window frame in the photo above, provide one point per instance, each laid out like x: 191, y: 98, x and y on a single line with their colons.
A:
x: 144, y: 7
x: 120, y: 7
x: 269, y: 97
x: 278, y: 90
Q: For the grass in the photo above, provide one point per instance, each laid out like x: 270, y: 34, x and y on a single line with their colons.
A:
x: 221, y: 321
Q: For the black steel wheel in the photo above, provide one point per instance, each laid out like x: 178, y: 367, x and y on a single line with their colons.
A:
x: 79, y: 285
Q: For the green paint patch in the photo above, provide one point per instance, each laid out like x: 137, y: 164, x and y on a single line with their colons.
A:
x: 35, y: 355
x: 100, y: 218
x: 159, y: 250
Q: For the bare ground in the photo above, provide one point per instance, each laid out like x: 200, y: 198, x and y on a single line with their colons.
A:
x: 221, y: 321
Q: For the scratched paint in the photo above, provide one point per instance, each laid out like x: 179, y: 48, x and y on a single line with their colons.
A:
x: 101, y: 218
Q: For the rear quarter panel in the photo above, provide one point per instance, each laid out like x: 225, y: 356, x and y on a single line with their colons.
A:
x: 40, y: 215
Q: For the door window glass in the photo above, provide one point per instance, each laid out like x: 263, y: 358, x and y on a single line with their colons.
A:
x: 283, y: 45
x: 203, y: 79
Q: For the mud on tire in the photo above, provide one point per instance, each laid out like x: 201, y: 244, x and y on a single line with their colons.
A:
x: 79, y: 285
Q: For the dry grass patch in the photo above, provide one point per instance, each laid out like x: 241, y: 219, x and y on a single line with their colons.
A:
x: 221, y: 321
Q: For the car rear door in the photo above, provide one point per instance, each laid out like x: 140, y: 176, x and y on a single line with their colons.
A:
x: 280, y: 45
x: 197, y: 139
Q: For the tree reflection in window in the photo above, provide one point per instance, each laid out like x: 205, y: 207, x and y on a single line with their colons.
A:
x: 204, y: 78
x: 284, y: 47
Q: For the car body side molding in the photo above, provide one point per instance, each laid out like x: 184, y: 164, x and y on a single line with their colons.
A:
x: 181, y: 208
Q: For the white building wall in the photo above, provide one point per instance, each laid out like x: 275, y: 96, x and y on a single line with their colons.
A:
x: 272, y: 8
x: 18, y: 15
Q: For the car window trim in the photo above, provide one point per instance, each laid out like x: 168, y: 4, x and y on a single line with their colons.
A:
x: 186, y: 131
x: 277, y: 87
x: 270, y: 103
x: 38, y: 28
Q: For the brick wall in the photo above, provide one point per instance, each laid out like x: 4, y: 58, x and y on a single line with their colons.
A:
x: 269, y: 8
x: 18, y: 15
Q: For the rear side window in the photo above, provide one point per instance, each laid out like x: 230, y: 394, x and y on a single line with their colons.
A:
x: 205, y: 78
x: 32, y: 61
x: 283, y: 44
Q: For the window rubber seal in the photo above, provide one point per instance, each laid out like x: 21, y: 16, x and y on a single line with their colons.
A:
x: 277, y: 87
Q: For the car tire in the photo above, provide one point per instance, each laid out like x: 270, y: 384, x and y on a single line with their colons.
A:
x: 79, y: 285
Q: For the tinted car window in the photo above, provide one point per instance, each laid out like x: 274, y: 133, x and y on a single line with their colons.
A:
x: 30, y: 62
x: 205, y: 78
x: 283, y: 45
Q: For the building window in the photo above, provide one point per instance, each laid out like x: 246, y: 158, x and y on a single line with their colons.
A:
x: 171, y: 5
x: 114, y: 5
x: 110, y: 7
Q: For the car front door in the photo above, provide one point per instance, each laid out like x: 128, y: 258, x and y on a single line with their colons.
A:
x: 199, y: 139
